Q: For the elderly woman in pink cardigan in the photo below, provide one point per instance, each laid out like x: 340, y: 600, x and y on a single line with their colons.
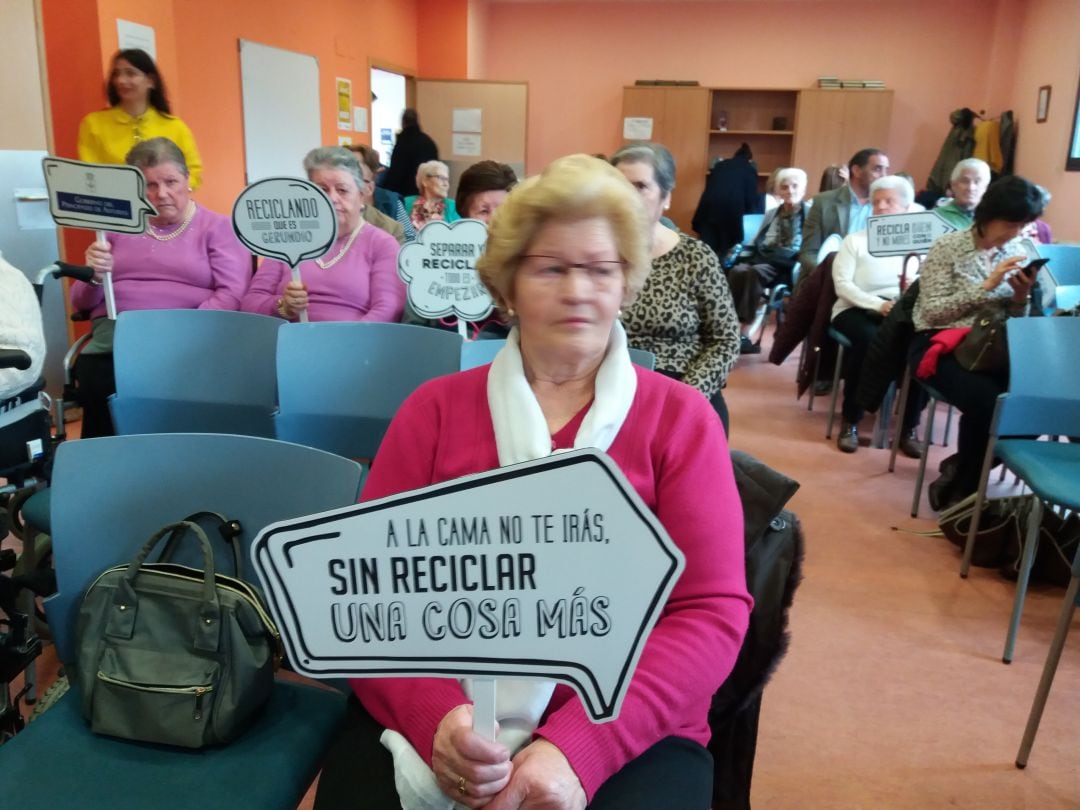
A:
x: 188, y: 258
x: 356, y: 279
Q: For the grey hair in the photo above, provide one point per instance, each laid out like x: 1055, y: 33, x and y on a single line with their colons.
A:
x: 895, y: 183
x: 791, y: 172
x: 155, y: 151
x: 981, y: 166
x: 653, y: 154
x: 334, y: 157
x: 429, y: 167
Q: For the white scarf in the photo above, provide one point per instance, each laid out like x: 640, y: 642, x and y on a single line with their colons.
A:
x: 521, y: 434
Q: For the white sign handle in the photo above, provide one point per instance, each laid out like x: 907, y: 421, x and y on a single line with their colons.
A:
x: 110, y: 296
x: 463, y: 328
x: 296, y: 278
x: 483, y: 695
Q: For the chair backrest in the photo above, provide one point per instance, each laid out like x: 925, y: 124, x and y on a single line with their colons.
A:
x: 340, y: 384
x: 110, y: 495
x: 751, y: 224
x: 193, y: 370
x: 479, y: 352
x: 1044, y: 386
x: 1064, y: 262
x: 643, y: 358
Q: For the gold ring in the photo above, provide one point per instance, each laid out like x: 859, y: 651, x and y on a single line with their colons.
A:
x: 461, y: 785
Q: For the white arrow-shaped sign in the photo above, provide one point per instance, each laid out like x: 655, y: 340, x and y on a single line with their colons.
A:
x: 96, y: 196
x: 901, y: 234
x: 550, y: 569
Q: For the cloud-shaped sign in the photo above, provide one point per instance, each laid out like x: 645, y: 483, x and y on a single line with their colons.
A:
x: 285, y: 218
x: 439, y: 269
x: 95, y: 196
x: 550, y: 569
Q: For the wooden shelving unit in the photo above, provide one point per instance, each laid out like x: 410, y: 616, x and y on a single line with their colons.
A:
x: 783, y: 126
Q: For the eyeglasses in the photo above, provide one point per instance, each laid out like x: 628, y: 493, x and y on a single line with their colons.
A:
x: 553, y: 270
x: 442, y: 178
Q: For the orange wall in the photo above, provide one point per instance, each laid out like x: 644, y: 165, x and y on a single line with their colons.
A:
x: 442, y: 39
x: 343, y: 35
x: 578, y: 56
x: 1046, y: 50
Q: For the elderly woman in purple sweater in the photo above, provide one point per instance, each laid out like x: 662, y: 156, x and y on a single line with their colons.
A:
x: 188, y: 258
x: 356, y: 279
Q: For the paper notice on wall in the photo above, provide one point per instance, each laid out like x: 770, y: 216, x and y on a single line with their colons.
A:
x: 467, y: 120
x: 134, y: 35
x: 637, y: 129
x: 359, y: 115
x: 345, y: 108
x: 466, y: 145
x: 344, y: 140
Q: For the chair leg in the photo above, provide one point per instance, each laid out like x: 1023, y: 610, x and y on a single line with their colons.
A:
x: 1031, y: 545
x: 948, y: 427
x: 835, y: 390
x: 922, y: 459
x: 980, y: 498
x: 900, y: 410
x: 813, y: 380
x: 884, y: 418
x: 1053, y: 656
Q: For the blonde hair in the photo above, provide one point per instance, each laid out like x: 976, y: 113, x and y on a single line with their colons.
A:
x: 571, y: 188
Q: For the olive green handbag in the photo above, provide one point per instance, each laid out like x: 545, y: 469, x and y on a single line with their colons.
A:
x: 171, y: 654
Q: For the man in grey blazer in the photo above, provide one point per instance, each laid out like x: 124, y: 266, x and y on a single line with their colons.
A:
x: 843, y: 210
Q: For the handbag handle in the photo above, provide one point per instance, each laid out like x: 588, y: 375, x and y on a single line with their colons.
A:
x: 230, y: 531
x: 121, y: 621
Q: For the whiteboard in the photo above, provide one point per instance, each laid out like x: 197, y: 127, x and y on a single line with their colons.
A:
x: 281, y: 110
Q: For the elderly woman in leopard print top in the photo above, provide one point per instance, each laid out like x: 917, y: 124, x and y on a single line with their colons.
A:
x: 685, y: 314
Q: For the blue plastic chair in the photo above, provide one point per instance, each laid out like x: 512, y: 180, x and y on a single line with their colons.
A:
x: 1043, y: 400
x: 643, y: 358
x: 193, y: 370
x: 479, y: 352
x: 751, y: 224
x: 1064, y: 262
x: 340, y: 384
x: 110, y: 496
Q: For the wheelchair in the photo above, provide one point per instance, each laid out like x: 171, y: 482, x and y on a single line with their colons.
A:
x: 27, y: 444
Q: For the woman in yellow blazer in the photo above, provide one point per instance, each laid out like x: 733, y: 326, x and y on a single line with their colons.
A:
x: 139, y: 111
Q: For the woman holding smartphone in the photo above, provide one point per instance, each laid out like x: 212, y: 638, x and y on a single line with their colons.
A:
x: 964, y: 273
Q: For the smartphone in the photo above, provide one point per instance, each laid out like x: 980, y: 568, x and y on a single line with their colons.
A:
x: 1032, y: 267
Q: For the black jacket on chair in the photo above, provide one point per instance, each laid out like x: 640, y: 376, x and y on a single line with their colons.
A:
x: 774, y: 554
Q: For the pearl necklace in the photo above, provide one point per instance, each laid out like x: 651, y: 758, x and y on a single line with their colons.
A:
x: 188, y: 216
x: 343, y: 251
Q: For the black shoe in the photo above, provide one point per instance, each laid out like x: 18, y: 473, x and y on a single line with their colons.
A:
x: 747, y: 346
x: 848, y: 438
x: 822, y: 387
x: 910, y: 446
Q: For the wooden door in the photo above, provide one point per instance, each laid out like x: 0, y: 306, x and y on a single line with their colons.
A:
x: 835, y: 124
x: 444, y: 108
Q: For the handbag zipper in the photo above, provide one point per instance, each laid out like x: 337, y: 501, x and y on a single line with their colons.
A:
x: 238, y: 587
x: 197, y: 691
